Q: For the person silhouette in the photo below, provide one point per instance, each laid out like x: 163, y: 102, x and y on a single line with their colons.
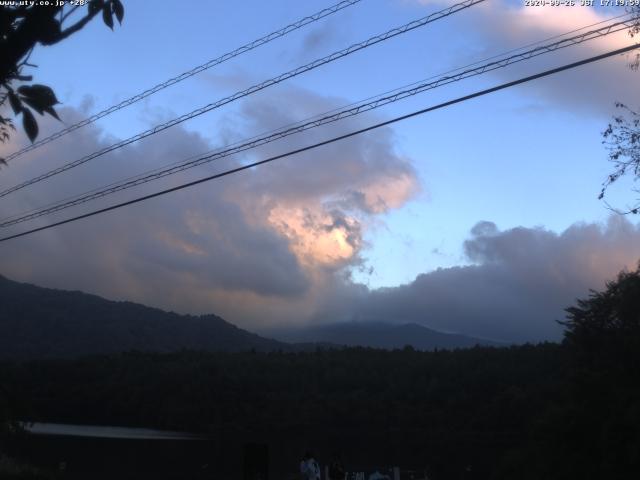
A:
x: 336, y: 469
x: 309, y: 468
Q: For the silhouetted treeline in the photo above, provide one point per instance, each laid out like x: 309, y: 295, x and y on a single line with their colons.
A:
x: 528, y: 412
x: 474, y: 407
x: 517, y: 412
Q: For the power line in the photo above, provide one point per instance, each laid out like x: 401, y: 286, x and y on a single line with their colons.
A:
x: 190, y: 73
x: 253, y: 89
x: 331, y: 140
x: 195, y: 161
x: 388, y: 92
x: 225, y: 151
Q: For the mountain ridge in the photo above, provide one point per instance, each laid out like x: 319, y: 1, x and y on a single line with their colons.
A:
x: 379, y: 334
x: 44, y: 322
x: 39, y: 322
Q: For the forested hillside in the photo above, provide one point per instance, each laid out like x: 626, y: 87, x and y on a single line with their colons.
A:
x: 38, y: 322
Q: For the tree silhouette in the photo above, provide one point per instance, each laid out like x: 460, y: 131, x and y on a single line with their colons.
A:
x: 622, y: 138
x: 595, y: 433
x: 22, y: 28
x: 622, y: 135
x: 607, y: 322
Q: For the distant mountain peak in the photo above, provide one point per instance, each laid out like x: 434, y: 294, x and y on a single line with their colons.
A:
x: 378, y: 334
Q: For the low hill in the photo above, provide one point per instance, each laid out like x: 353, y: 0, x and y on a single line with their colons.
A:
x: 379, y: 335
x: 38, y: 322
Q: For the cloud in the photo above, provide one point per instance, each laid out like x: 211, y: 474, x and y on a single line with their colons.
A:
x: 498, y: 26
x: 516, y: 287
x: 192, y: 234
x: 321, y: 38
x: 276, y: 244
x: 323, y: 199
x: 251, y: 247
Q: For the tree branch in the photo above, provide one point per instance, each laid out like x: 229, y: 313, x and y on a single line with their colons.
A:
x: 76, y: 26
x: 69, y: 13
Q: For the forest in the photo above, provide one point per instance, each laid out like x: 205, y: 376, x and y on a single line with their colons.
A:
x: 569, y: 410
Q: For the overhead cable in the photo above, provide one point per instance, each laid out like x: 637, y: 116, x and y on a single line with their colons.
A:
x: 253, y: 89
x: 189, y: 73
x: 329, y: 141
x: 195, y: 161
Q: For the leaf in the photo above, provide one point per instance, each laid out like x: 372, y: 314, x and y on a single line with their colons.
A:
x: 14, y: 101
x: 52, y: 112
x: 29, y: 123
x: 94, y: 6
x: 48, y: 31
x: 41, y: 94
x: 118, y: 9
x: 107, y: 16
x: 34, y: 104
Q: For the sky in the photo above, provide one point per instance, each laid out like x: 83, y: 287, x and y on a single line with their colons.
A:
x: 481, y: 218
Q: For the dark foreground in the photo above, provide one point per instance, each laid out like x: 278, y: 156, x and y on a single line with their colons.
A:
x: 482, y: 413
x: 529, y: 412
